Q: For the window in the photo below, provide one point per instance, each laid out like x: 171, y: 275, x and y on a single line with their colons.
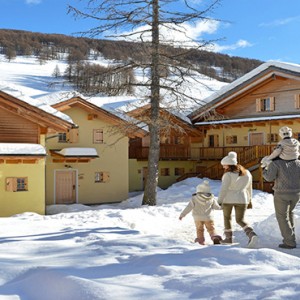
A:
x: 272, y: 138
x: 265, y: 104
x: 165, y: 140
x: 98, y: 136
x: 72, y: 136
x: 16, y: 184
x: 179, y: 171
x: 213, y: 140
x: 232, y: 139
x: 178, y: 140
x: 165, y: 172
x: 62, y: 137
x: 102, y: 177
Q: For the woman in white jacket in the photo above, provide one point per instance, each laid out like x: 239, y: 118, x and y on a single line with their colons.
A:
x: 235, y: 193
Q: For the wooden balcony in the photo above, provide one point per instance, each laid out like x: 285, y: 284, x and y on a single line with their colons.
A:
x: 167, y: 152
x: 246, y: 154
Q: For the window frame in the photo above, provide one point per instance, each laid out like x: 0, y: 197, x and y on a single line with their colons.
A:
x: 16, y: 184
x: 102, y: 177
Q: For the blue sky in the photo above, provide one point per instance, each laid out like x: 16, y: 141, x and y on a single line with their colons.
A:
x: 259, y: 29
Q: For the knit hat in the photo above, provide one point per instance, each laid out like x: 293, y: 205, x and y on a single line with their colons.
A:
x: 285, y: 132
x: 204, y: 187
x: 230, y: 159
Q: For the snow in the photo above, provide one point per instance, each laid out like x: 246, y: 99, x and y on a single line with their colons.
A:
x: 130, y: 251
x: 75, y: 151
x: 281, y: 117
x: 21, y: 149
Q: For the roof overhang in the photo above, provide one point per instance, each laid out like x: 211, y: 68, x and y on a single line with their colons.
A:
x: 16, y: 153
x: 248, y: 120
x: 74, y: 154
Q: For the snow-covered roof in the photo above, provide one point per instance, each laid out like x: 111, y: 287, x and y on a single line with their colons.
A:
x: 243, y: 120
x: 22, y: 149
x: 238, y: 82
x: 12, y: 90
x: 60, y: 96
x: 78, y: 152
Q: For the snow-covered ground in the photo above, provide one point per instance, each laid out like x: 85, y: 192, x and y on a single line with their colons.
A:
x: 128, y: 251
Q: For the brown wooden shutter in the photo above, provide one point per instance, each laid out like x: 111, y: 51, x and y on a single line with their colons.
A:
x: 106, y: 176
x: 73, y: 135
x: 272, y: 103
x: 258, y: 104
x: 11, y: 184
x: 216, y: 140
x: 297, y: 101
x: 98, y: 136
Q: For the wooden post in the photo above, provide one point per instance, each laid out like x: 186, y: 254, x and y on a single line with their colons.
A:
x: 261, y: 179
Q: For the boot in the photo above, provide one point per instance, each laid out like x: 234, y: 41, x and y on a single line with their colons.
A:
x: 251, y: 235
x: 216, y: 239
x: 228, y: 238
x: 200, y: 241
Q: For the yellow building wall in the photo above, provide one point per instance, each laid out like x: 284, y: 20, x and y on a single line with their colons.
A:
x: 243, y: 133
x: 113, y: 158
x: 33, y: 200
x: 136, y: 173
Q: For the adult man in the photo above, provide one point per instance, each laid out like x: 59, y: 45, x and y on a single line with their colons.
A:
x: 286, y: 177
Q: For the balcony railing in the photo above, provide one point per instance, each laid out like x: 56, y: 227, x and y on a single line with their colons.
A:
x: 245, y: 153
x: 166, y: 152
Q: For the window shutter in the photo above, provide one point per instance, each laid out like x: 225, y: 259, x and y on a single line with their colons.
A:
x: 216, y: 140
x: 11, y: 184
x: 268, y: 138
x: 106, y: 176
x: 272, y: 103
x: 228, y: 139
x: 98, y: 136
x: 258, y: 104
x: 73, y: 135
x: 297, y: 101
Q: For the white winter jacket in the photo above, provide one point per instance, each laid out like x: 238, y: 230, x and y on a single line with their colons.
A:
x: 236, y: 189
x: 202, y: 205
x: 287, y: 149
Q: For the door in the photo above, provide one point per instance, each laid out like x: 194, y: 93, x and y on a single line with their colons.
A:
x: 65, y: 187
x: 256, y: 138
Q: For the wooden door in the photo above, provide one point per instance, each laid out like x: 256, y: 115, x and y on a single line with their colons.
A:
x: 256, y: 138
x: 65, y: 187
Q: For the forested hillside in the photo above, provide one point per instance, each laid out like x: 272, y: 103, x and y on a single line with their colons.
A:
x: 77, y: 49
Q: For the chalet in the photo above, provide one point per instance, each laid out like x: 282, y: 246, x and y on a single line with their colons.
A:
x: 245, y: 117
x: 89, y: 164
x: 175, y: 150
x: 24, y: 124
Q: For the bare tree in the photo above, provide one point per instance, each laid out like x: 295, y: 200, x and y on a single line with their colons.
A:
x: 147, y: 19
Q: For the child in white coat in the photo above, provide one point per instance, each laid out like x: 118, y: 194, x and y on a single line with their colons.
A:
x: 288, y: 147
x: 203, y: 204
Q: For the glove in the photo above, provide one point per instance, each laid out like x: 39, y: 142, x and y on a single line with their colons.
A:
x: 265, y: 162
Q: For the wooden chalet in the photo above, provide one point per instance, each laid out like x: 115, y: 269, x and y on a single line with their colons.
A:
x: 24, y: 122
x: 245, y: 116
x: 176, y: 140
x: 89, y: 165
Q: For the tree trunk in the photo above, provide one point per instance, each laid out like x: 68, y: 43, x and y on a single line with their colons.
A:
x: 154, y: 127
